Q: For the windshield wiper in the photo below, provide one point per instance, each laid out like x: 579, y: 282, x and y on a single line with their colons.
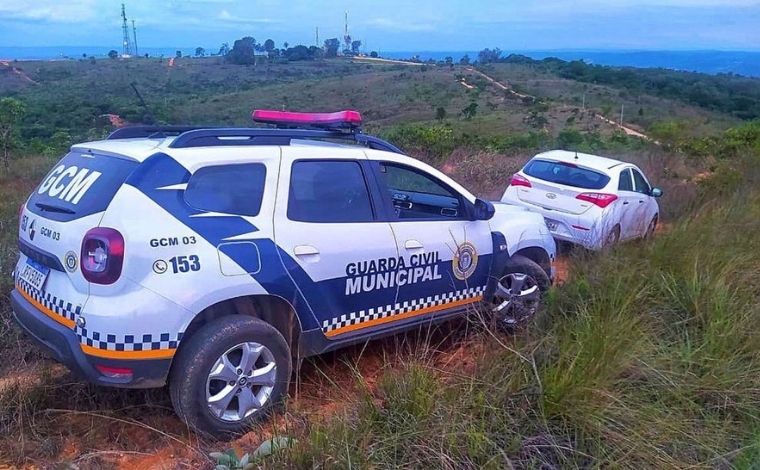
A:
x: 51, y: 208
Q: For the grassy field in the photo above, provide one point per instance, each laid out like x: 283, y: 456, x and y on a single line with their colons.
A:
x: 647, y: 357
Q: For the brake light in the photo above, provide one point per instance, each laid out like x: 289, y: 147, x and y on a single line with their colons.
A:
x: 600, y: 199
x: 102, y: 255
x: 291, y: 119
x: 520, y: 180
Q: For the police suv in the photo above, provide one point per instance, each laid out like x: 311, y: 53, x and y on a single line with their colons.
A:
x: 209, y: 258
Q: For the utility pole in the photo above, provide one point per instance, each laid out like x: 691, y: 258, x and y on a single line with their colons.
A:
x: 134, y: 33
x: 317, y: 37
x: 622, y: 106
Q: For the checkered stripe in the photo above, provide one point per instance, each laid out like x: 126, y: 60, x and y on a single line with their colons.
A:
x: 96, y: 339
x: 362, y: 316
x: 51, y: 302
x: 144, y: 342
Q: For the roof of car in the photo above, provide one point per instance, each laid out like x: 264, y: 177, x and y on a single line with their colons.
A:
x: 584, y: 159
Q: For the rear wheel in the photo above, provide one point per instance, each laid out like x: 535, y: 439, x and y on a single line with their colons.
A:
x: 230, y: 374
x: 613, y: 238
x: 519, y: 293
x: 651, y: 228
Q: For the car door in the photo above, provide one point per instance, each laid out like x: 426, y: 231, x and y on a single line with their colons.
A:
x: 444, y: 256
x: 627, y: 205
x: 644, y: 207
x: 336, y: 248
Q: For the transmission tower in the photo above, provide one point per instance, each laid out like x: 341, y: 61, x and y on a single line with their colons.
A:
x: 134, y: 34
x: 346, y: 36
x: 127, y: 50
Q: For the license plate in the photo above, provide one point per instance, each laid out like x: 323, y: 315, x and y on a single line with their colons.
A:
x: 551, y: 224
x: 35, y: 274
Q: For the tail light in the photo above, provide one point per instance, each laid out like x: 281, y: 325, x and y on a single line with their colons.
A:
x: 102, y: 255
x: 520, y: 180
x: 115, y: 372
x: 600, y: 199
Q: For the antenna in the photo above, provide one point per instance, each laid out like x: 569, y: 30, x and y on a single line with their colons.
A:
x: 127, y: 48
x: 134, y: 33
x: 317, y: 37
x: 346, y: 36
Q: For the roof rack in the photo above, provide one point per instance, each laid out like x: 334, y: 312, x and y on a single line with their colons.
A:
x: 265, y: 136
x: 151, y: 132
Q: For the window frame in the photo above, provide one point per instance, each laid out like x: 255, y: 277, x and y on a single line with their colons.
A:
x: 630, y: 180
x: 635, y: 186
x: 390, y: 212
x: 227, y: 165
x: 371, y: 190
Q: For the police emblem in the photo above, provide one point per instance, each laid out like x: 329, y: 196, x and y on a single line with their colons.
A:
x: 71, y: 261
x: 465, y: 261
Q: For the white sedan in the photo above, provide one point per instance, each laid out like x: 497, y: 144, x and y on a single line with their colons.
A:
x: 585, y: 199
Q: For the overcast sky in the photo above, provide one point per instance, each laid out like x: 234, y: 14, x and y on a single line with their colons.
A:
x: 392, y: 25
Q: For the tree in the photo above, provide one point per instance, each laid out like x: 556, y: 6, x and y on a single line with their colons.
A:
x: 449, y: 60
x: 470, y: 110
x: 11, y: 112
x: 299, y: 52
x: 331, y: 47
x: 465, y: 60
x: 487, y: 56
x: 200, y: 52
x: 373, y: 54
x: 269, y: 45
x: 355, y: 46
x: 243, y: 52
x: 224, y: 49
x: 440, y: 113
x: 113, y: 54
x: 285, y: 44
x: 178, y: 54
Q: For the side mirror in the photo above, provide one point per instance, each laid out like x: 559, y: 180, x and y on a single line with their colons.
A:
x: 484, y: 210
x: 656, y: 192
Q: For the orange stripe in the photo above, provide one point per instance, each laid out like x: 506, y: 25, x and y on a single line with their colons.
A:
x: 89, y: 350
x: 62, y: 320
x: 413, y: 313
x: 147, y: 354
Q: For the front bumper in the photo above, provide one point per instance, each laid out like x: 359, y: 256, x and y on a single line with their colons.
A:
x: 61, y: 344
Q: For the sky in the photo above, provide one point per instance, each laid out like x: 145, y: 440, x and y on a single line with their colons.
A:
x: 392, y: 25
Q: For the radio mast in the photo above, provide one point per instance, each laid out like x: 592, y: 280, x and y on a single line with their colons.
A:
x: 134, y: 34
x: 127, y: 49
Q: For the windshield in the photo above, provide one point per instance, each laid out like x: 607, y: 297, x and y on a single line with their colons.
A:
x: 566, y: 173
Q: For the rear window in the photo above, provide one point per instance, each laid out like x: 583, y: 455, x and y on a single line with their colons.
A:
x: 80, y: 184
x: 566, y: 173
x: 231, y: 189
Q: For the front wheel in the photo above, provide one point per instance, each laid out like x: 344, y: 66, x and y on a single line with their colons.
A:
x: 230, y: 374
x: 519, y: 292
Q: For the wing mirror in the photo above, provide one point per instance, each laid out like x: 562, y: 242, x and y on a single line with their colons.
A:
x: 656, y: 192
x: 483, y: 210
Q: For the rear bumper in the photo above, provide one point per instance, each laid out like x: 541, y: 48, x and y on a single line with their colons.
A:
x: 62, y: 344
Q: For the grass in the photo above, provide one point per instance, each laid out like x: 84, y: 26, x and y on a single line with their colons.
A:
x: 650, y: 358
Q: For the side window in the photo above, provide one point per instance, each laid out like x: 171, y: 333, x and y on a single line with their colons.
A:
x: 416, y: 195
x: 231, y: 189
x: 640, y: 183
x: 328, y: 191
x: 625, y: 181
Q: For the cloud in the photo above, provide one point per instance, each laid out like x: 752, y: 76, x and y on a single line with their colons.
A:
x: 49, y: 10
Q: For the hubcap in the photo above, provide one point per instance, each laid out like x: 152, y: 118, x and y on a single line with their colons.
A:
x: 241, y: 381
x: 517, y: 298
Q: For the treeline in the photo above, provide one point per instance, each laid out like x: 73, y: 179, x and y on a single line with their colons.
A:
x: 726, y: 93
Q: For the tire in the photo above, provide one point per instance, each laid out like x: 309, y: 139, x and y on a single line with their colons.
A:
x: 613, y: 238
x: 649, y: 234
x: 515, y: 308
x: 216, y: 346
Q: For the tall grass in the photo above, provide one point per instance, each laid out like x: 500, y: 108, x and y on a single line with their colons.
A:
x: 650, y: 357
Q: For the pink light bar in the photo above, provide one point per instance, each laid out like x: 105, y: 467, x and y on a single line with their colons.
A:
x: 348, y: 118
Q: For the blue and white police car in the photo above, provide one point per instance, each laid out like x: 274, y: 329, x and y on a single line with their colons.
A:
x: 209, y: 258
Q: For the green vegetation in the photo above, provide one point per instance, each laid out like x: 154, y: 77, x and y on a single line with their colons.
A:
x: 726, y: 93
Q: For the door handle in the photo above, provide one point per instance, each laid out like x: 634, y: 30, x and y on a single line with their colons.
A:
x: 413, y: 245
x: 641, y: 202
x: 305, y: 250
x: 625, y: 203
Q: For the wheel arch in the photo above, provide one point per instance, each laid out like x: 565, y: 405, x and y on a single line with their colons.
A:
x: 271, y: 309
x: 538, y: 255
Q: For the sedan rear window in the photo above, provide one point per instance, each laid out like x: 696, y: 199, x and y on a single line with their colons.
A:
x: 566, y: 173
